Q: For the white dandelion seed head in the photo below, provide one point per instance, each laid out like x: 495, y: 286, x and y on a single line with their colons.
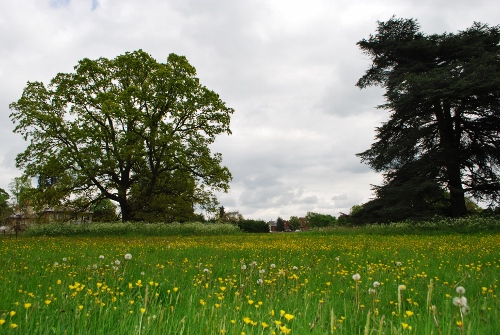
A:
x: 101, y: 257
x: 262, y: 271
x: 399, y: 263
x: 371, y: 291
x: 376, y: 284
x: 56, y: 264
x: 94, y: 266
x: 273, y: 265
x: 143, y: 273
x: 254, y: 263
x: 260, y: 281
x: 206, y: 270
x: 65, y: 259
x: 337, y: 258
x: 356, y: 276
x: 128, y: 256
x: 117, y: 262
x: 465, y: 310
x: 401, y: 287
x: 243, y: 267
x: 460, y: 290
x: 295, y: 268
x: 115, y: 267
x: 460, y: 301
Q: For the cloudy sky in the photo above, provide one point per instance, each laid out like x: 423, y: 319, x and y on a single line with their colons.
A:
x: 287, y: 67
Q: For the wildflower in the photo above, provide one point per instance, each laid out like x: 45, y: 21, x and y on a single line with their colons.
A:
x: 56, y: 264
x: 398, y: 263
x: 243, y: 267
x: 254, y: 263
x: 261, y: 271
x: 13, y: 326
x: 117, y: 262
x: 206, y: 270
x: 285, y: 330
x: 27, y: 305
x: 356, y: 276
x: 273, y: 265
x: 401, y: 287
x: 80, y: 307
x: 295, y: 268
x: 376, y: 284
x: 465, y: 310
x: 460, y: 301
x: 59, y: 282
x: 12, y: 313
x: 2, y: 321
x: 143, y: 310
x: 101, y: 256
x: 64, y: 259
x: 409, y: 313
x: 250, y: 302
x: 128, y: 256
x: 371, y: 291
x: 264, y: 324
x: 260, y: 281
x: 289, y: 316
x: 405, y: 325
x: 460, y: 290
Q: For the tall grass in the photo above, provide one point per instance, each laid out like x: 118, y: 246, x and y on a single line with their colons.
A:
x: 131, y: 229
x: 250, y: 284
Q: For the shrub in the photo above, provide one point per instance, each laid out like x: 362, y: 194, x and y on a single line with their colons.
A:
x: 253, y: 226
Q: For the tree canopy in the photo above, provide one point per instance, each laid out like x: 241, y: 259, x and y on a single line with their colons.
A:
x: 442, y: 92
x: 129, y: 129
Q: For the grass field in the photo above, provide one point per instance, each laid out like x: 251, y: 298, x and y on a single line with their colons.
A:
x: 296, y: 283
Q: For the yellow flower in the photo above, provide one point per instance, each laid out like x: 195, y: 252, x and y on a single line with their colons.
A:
x: 27, y: 305
x: 80, y: 307
x: 285, y: 330
x: 13, y: 326
x: 12, y: 313
x: 409, y: 313
x: 289, y: 317
x: 250, y: 302
x: 176, y: 289
x: 264, y: 325
x: 282, y: 312
x: 143, y: 310
x: 2, y: 321
x: 405, y: 325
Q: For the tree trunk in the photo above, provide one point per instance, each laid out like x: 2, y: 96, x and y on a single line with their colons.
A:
x: 449, y: 138
x: 457, y: 194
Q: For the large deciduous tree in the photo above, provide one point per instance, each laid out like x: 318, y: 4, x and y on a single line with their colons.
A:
x: 443, y: 95
x: 128, y: 129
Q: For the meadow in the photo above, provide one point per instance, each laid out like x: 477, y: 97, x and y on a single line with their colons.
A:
x: 235, y: 283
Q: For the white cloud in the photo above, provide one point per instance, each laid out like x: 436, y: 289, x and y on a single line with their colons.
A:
x: 287, y: 67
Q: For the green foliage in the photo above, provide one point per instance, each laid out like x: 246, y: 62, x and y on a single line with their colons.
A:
x: 320, y: 220
x: 280, y: 224
x: 103, y: 211
x: 22, y: 192
x: 129, y: 129
x: 443, y: 95
x: 294, y: 223
x: 130, y: 229
x: 253, y: 226
x: 5, y: 209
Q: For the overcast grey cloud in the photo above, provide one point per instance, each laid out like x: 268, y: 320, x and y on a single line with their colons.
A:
x: 287, y: 67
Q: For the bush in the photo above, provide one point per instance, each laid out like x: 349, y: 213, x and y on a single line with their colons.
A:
x: 131, y: 228
x: 253, y: 226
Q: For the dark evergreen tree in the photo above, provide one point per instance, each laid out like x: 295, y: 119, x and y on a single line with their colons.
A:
x: 443, y: 96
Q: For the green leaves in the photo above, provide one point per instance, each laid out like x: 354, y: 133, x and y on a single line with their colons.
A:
x: 443, y: 93
x: 114, y: 122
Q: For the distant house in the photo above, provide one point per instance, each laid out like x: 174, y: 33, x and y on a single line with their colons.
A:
x: 48, y: 215
x: 273, y: 225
